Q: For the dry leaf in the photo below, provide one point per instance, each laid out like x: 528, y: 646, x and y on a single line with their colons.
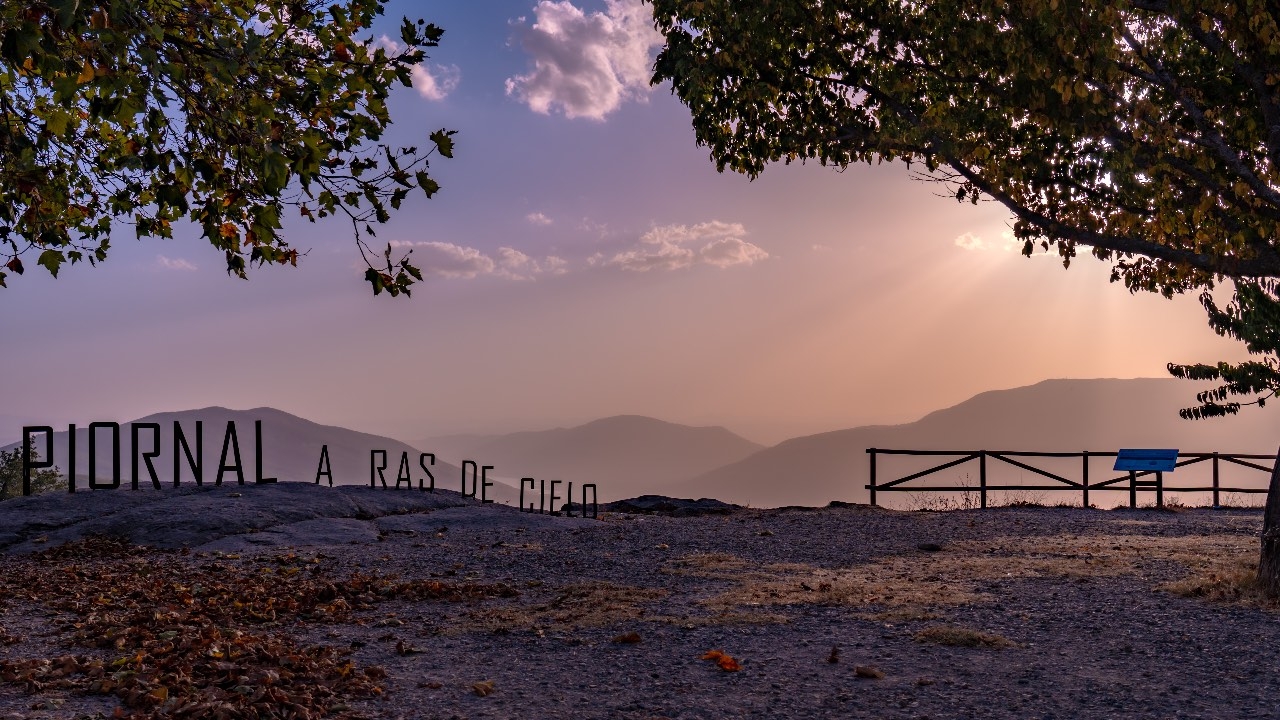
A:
x: 206, y: 626
x: 724, y: 660
x: 483, y: 688
x: 629, y: 638
x: 871, y: 672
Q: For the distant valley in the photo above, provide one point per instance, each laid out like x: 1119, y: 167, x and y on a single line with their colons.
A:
x: 625, y: 455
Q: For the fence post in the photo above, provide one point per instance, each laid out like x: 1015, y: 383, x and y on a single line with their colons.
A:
x: 1133, y: 490
x: 872, y: 488
x: 1215, y: 480
x: 1085, y: 454
x: 982, y: 478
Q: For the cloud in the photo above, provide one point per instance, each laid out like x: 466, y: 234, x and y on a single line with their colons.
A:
x: 663, y: 247
x: 727, y: 252
x: 586, y: 64
x: 447, y: 260
x: 969, y: 241
x: 1008, y: 243
x: 555, y: 265
x: 515, y: 265
x: 674, y: 247
x: 434, y: 83
x: 537, y: 218
x: 168, y: 263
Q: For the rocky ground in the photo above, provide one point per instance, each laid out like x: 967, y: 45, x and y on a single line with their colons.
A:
x: 299, y: 601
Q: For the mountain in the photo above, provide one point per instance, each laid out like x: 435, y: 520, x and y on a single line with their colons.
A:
x: 291, y: 450
x: 1054, y: 415
x: 625, y: 455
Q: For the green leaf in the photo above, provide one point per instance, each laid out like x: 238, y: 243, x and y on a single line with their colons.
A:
x: 66, y: 10
x: 374, y: 278
x: 429, y: 187
x: 444, y: 142
x: 51, y: 260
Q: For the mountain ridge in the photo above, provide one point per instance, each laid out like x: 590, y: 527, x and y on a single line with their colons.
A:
x: 1067, y: 414
x: 624, y: 455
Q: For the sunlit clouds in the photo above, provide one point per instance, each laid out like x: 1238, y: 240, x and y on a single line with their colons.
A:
x: 513, y: 264
x: 168, y: 263
x: 674, y: 247
x: 974, y: 242
x: 447, y: 260
x: 969, y: 241
x: 663, y: 247
x: 537, y: 218
x: 437, y: 82
x: 433, y: 82
x: 585, y: 64
x: 458, y: 262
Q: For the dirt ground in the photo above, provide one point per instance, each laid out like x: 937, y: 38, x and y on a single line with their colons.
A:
x: 448, y: 609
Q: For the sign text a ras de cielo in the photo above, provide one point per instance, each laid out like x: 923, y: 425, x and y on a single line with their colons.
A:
x: 188, y: 450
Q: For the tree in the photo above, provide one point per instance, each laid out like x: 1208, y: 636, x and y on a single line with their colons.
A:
x: 11, y: 475
x: 1147, y: 131
x: 225, y: 113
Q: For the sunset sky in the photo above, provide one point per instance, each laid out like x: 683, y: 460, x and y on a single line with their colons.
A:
x: 585, y: 259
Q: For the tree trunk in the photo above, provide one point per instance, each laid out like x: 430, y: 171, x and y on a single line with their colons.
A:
x: 1269, y: 562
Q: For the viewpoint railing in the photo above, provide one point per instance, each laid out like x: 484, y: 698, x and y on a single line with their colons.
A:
x: 1130, y: 481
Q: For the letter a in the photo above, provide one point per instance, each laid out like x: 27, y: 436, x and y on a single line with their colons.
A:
x: 323, y: 468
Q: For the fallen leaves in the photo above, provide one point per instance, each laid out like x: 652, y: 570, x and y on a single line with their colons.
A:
x: 628, y: 638
x: 197, y: 637
x: 723, y: 660
x: 868, y: 672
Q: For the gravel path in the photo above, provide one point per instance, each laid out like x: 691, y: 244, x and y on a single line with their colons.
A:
x: 1074, y: 596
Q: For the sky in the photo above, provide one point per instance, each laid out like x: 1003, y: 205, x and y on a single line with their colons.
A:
x: 584, y: 259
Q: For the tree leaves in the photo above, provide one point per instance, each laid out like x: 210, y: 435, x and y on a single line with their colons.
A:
x: 149, y: 113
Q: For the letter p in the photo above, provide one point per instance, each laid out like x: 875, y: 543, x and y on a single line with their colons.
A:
x: 27, y: 465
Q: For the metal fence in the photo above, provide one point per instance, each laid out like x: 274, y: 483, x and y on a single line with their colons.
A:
x: 1132, y: 482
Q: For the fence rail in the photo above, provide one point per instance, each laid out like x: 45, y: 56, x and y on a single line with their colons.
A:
x: 1131, y: 481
